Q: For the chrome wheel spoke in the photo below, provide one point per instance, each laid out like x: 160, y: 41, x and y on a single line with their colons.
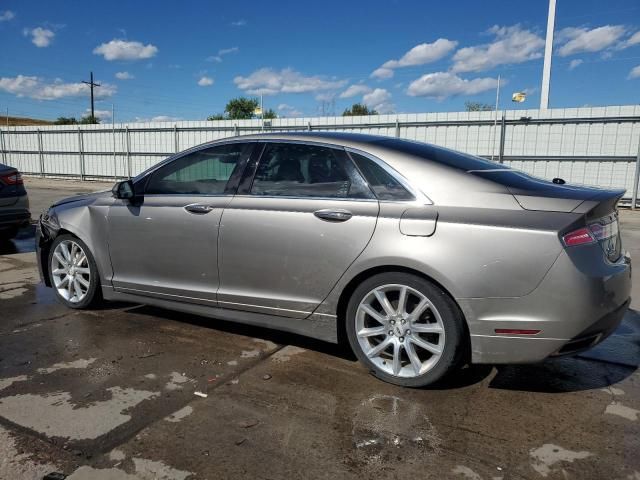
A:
x: 397, y: 361
x: 84, y: 271
x: 426, y: 328
x: 402, y: 301
x: 369, y: 310
x: 413, y: 358
x: 384, y: 302
x: 419, y: 310
x: 83, y: 282
x: 372, y: 332
x: 379, y: 348
x: 59, y: 271
x: 430, y: 347
x: 61, y: 260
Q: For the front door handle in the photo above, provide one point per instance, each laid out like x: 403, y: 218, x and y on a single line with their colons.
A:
x: 333, y: 215
x: 198, y: 208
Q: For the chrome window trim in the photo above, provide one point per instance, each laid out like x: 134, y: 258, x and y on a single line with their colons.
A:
x: 418, y: 195
x: 293, y: 197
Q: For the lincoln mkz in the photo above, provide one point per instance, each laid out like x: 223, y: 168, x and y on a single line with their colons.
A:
x: 424, y: 258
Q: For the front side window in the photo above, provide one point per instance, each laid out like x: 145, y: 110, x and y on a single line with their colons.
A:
x: 381, y: 182
x: 205, y: 172
x: 297, y: 170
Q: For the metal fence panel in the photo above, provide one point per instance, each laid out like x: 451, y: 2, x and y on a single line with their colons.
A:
x: 597, y: 146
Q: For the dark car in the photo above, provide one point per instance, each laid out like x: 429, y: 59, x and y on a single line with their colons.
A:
x: 14, y: 203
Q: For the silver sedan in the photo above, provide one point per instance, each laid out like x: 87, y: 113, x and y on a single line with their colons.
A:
x: 423, y: 258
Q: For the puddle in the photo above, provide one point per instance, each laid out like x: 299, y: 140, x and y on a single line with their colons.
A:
x: 386, y: 427
x: 180, y: 414
x: 548, y: 455
x: 80, y: 363
x: 55, y: 415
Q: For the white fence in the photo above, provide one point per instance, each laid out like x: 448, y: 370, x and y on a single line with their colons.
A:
x: 595, y: 146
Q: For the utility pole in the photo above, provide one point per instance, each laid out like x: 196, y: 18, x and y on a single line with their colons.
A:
x: 495, y: 120
x: 548, y: 50
x: 91, y: 85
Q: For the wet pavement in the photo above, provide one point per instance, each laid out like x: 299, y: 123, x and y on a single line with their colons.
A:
x: 130, y: 391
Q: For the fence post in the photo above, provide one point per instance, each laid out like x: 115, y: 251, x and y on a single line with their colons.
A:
x: 40, y: 153
x: 636, y: 177
x: 236, y: 131
x: 128, y: 142
x: 309, y: 126
x: 81, y: 153
x: 115, y: 158
x: 503, y: 133
x: 175, y: 138
x: 397, y: 128
x: 4, y: 152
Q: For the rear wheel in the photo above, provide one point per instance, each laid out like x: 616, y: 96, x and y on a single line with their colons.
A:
x: 407, y: 330
x: 73, y: 272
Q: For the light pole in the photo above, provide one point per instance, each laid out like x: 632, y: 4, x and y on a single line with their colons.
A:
x: 548, y: 50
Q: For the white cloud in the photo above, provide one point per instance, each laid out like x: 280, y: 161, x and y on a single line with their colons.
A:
x: 382, y: 73
x: 325, y: 97
x: 239, y: 23
x: 125, y: 50
x: 634, y: 73
x: 37, y: 88
x: 124, y: 76
x: 575, y: 63
x: 441, y: 85
x: 512, y: 45
x: 100, y: 114
x: 354, y: 90
x: 40, y: 37
x: 205, y: 81
x: 222, y: 52
x: 289, y: 111
x: 378, y: 99
x: 632, y: 40
x: 157, y: 118
x: 418, y: 55
x: 267, y: 81
x: 578, y: 40
x: 7, y: 15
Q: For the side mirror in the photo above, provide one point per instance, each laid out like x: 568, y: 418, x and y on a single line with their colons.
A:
x: 123, y: 190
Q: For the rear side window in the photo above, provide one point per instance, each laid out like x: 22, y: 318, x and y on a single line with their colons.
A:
x: 381, y: 182
x: 205, y: 172
x: 298, y: 170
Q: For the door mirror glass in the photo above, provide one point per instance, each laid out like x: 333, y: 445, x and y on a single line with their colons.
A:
x: 123, y: 190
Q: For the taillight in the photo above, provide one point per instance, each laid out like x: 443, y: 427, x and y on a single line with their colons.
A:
x: 14, y: 178
x: 582, y: 236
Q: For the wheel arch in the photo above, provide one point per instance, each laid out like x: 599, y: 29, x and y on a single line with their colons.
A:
x: 350, y: 287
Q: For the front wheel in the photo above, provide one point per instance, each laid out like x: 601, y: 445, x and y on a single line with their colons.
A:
x: 405, y: 329
x: 73, y: 272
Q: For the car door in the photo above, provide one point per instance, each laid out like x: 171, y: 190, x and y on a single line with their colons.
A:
x: 165, y: 244
x: 288, y: 236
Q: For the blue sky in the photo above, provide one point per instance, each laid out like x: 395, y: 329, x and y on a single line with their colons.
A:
x: 184, y: 60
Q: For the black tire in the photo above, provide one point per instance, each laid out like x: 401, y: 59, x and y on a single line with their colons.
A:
x: 456, y: 337
x: 94, y: 293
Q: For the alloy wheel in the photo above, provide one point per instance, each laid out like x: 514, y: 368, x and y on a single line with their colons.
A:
x: 400, y: 330
x: 70, y: 271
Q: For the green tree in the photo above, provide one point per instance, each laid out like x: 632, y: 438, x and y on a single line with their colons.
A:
x: 241, y: 108
x: 477, y: 107
x: 89, y: 120
x: 216, y: 116
x: 358, y: 109
x: 270, y: 114
x: 66, y: 121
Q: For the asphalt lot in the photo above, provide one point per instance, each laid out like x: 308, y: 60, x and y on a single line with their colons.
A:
x: 111, y: 394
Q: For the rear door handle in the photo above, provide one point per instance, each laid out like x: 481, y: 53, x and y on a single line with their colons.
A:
x: 198, y: 208
x: 333, y: 215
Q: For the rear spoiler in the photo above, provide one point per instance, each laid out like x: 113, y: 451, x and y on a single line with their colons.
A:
x: 601, y: 203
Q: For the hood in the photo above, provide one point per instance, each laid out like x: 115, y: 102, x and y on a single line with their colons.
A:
x: 83, y: 197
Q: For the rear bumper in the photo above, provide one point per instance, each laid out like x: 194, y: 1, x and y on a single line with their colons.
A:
x: 574, y: 308
x: 14, y: 218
